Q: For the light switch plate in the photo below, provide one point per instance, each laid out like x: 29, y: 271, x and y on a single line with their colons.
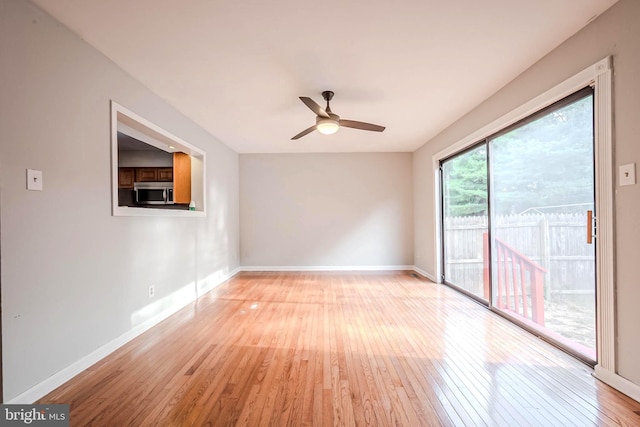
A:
x: 34, y: 180
x: 627, y: 174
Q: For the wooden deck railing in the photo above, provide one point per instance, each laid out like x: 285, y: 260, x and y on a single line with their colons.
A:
x: 520, y: 281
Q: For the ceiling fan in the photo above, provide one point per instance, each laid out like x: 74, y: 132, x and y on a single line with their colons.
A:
x: 327, y: 122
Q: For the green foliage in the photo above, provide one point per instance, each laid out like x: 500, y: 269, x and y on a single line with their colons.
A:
x: 544, y: 165
x: 465, y: 184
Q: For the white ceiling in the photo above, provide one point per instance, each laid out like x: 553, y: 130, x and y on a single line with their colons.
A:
x: 238, y: 67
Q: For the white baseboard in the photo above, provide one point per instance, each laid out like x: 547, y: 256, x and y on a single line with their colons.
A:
x: 343, y: 268
x: 61, y: 377
x: 425, y: 274
x: 329, y: 268
x: 621, y: 384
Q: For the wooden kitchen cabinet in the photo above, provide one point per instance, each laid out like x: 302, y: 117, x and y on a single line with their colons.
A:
x: 146, y: 174
x: 126, y: 177
x: 181, y: 178
x: 165, y: 174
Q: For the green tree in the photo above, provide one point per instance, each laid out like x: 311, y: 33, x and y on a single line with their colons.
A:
x: 465, y: 183
x: 546, y: 164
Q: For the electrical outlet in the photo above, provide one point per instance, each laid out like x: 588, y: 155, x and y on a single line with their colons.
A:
x: 152, y: 291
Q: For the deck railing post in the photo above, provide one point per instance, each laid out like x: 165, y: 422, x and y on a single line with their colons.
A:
x: 537, y: 296
x: 485, y: 264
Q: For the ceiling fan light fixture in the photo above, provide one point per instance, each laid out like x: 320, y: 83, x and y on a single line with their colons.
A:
x: 328, y: 123
x: 327, y: 126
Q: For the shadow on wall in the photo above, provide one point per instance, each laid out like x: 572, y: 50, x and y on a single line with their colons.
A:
x: 208, y: 263
x: 177, y: 299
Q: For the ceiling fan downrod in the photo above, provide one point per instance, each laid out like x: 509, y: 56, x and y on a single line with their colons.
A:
x: 328, y: 96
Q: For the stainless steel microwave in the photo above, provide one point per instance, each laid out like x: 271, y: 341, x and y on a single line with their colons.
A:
x: 153, y: 193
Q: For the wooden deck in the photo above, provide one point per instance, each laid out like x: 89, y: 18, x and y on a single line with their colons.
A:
x: 328, y: 349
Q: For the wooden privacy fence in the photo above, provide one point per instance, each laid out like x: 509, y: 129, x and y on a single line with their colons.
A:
x: 556, y: 242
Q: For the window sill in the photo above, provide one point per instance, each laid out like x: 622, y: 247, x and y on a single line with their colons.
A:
x: 133, y: 211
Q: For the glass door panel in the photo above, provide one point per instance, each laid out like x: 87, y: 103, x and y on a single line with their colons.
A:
x: 542, y: 185
x: 465, y: 222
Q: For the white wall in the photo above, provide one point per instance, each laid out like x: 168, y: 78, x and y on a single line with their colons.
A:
x: 303, y: 210
x: 615, y: 33
x: 74, y: 277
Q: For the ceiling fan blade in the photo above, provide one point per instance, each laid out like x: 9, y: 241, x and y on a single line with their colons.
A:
x: 314, y: 107
x: 361, y: 125
x: 304, y: 132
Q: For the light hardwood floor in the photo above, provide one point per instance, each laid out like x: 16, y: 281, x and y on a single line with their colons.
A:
x: 329, y: 349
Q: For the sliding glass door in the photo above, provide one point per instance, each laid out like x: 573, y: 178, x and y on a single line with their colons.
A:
x: 466, y: 222
x: 542, y: 180
x: 518, y: 239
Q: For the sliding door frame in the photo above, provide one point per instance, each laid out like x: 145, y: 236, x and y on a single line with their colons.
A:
x: 598, y: 75
x: 442, y: 276
x: 585, y: 92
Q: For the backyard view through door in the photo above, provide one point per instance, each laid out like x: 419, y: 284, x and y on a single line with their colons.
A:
x: 465, y: 209
x: 529, y: 258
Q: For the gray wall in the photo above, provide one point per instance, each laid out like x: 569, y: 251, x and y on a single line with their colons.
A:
x: 615, y: 33
x: 326, y: 209
x: 74, y: 277
x: 144, y: 158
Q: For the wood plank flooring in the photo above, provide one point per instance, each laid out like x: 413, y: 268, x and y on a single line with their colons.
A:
x: 334, y: 349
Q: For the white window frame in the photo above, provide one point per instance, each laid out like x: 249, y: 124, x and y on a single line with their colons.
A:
x: 125, y: 120
x: 598, y: 75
